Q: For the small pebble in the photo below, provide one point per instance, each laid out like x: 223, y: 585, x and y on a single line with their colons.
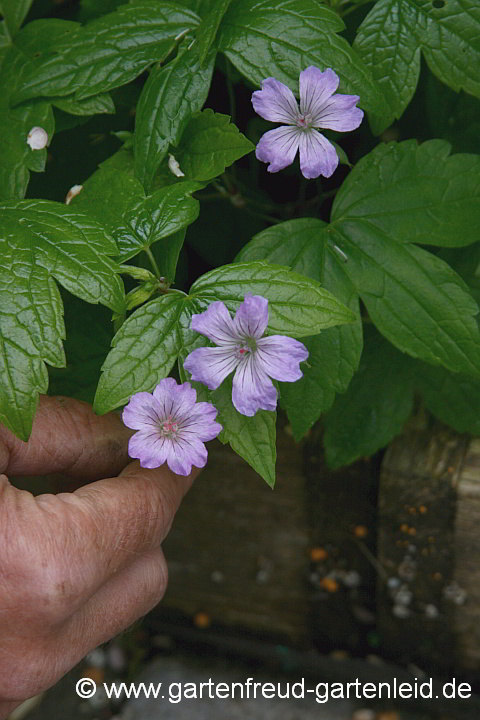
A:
x: 431, y: 612
x: 217, y: 577
x: 96, y: 658
x: 401, y: 612
x: 352, y: 579
x: 363, y: 715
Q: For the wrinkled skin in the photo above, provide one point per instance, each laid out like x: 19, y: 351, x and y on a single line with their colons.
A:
x: 76, y: 568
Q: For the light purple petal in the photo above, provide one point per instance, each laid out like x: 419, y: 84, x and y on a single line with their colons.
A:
x: 251, y: 317
x: 201, y: 423
x: 150, y: 448
x: 280, y: 357
x: 211, y: 366
x: 176, y: 400
x: 317, y: 155
x: 182, y: 455
x: 340, y: 114
x: 278, y: 147
x: 316, y: 87
x: 252, y: 389
x: 143, y: 412
x: 215, y: 323
x: 275, y: 102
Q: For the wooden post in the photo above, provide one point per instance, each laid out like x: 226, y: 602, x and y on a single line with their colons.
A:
x: 428, y: 594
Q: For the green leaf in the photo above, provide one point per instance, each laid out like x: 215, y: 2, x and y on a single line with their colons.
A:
x: 94, y: 105
x: 13, y: 13
x: 210, y: 144
x: 374, y: 408
x: 109, y: 51
x: 162, y: 214
x: 16, y: 157
x: 452, y: 398
x: 414, y: 194
x: 208, y: 28
x: 253, y: 438
x: 169, y: 97
x: 394, y: 32
x: 298, y: 306
x: 41, y: 241
x: 414, y: 298
x: 143, y: 352
x: 334, y: 354
x: 108, y: 194
x: 264, y: 38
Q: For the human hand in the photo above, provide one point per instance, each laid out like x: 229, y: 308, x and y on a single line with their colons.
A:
x: 76, y: 568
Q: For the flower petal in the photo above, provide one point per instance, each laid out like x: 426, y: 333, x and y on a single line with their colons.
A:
x: 280, y: 357
x: 201, y: 423
x: 251, y: 317
x: 150, y: 448
x: 278, y: 147
x: 316, y: 87
x: 340, y: 113
x: 216, y: 323
x: 252, y: 389
x: 275, y: 102
x: 211, y: 366
x: 143, y: 412
x: 175, y: 400
x: 182, y: 455
x: 317, y: 155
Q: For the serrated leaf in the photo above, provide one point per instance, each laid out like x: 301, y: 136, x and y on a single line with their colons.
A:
x: 169, y: 98
x: 414, y: 298
x: 210, y: 143
x: 208, y: 27
x: 160, y: 215
x: 108, y: 194
x: 16, y: 157
x: 264, y: 39
x: 143, y: 352
x: 13, y: 13
x: 94, y: 105
x: 394, y: 32
x: 414, y: 193
x: 375, y: 406
x: 334, y: 353
x: 253, y: 438
x: 452, y: 398
x: 41, y: 241
x: 109, y: 51
x: 297, y: 305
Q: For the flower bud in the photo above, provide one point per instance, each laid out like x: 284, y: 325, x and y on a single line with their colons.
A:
x: 73, y: 192
x: 37, y: 138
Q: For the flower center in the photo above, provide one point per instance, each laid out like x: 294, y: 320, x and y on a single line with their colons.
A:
x: 169, y: 427
x: 243, y: 349
x: 303, y: 121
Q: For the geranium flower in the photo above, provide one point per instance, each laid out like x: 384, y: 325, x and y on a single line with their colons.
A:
x: 319, y: 108
x: 242, y: 347
x: 172, y: 427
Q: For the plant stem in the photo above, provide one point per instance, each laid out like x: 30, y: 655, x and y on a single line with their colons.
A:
x: 153, y: 263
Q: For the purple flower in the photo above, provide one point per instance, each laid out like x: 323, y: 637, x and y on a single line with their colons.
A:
x: 172, y: 427
x: 319, y: 108
x: 241, y: 347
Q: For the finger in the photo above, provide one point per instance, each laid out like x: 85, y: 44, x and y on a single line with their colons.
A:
x: 77, y: 541
x: 67, y: 437
x: 119, y: 603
